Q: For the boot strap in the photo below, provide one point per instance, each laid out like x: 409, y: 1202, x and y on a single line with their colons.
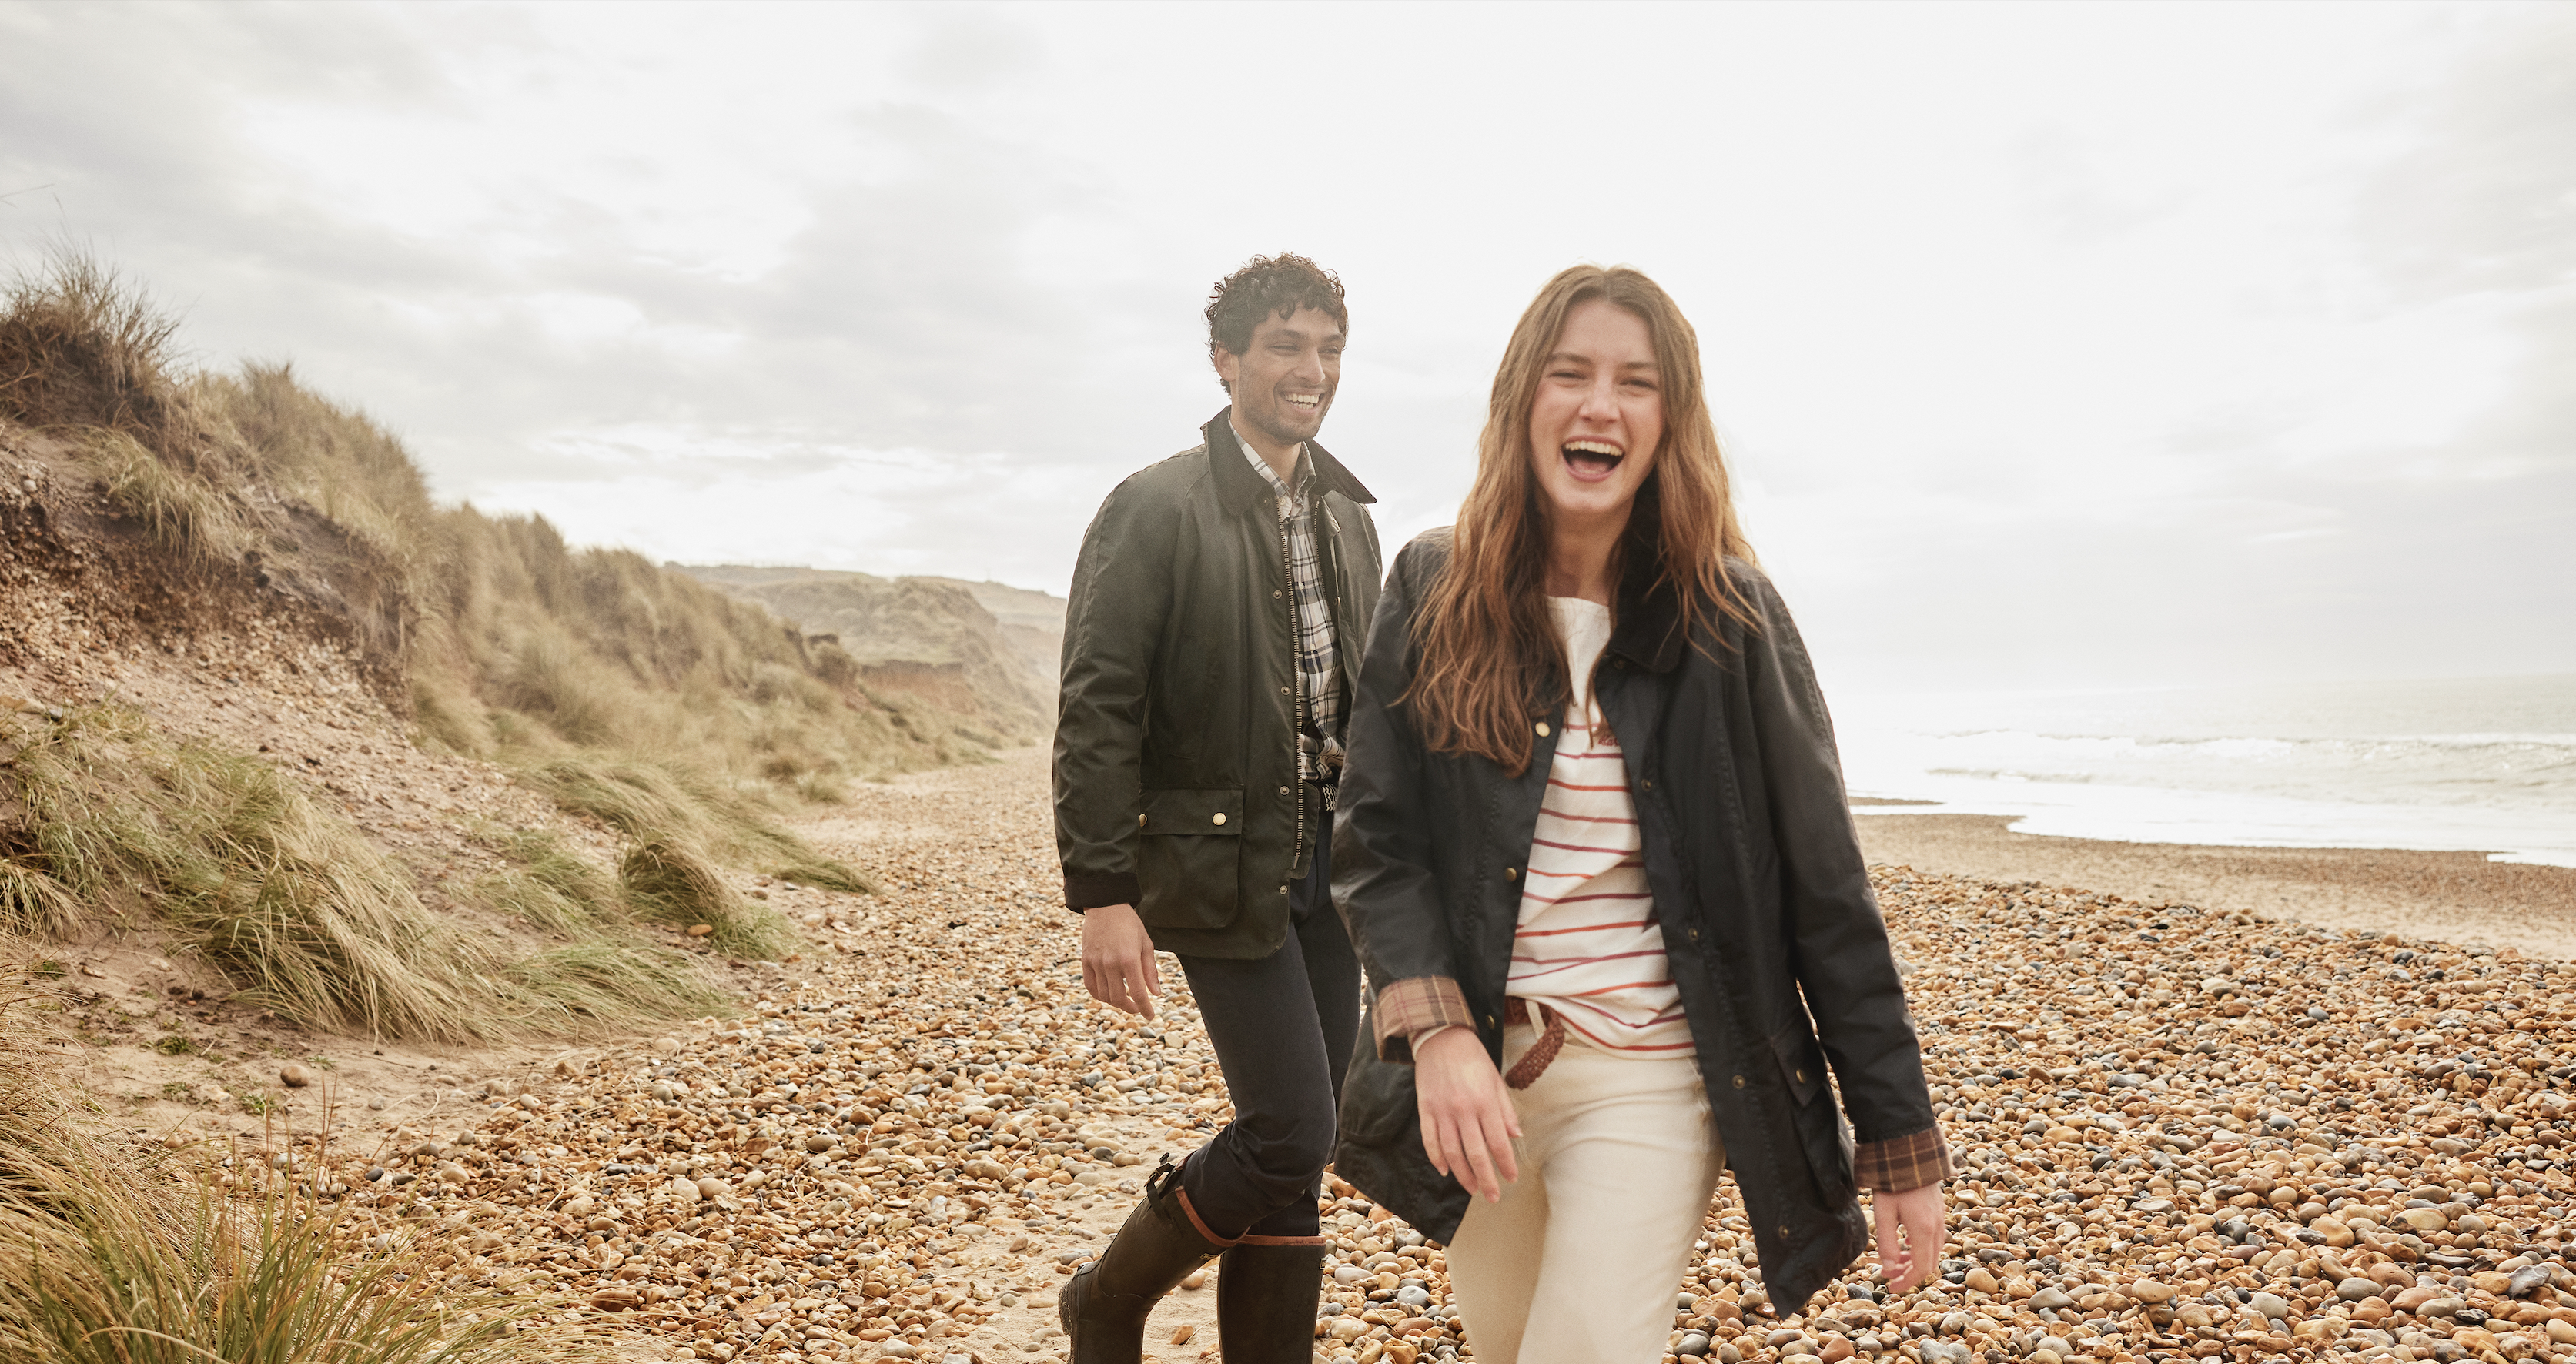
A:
x: 1190, y: 1210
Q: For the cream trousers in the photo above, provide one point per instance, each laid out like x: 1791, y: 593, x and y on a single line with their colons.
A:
x: 1579, y: 1261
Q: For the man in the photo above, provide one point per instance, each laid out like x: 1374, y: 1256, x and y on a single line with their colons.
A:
x: 1218, y: 605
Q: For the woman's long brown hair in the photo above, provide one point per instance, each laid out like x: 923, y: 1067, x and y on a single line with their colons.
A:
x: 1490, y: 651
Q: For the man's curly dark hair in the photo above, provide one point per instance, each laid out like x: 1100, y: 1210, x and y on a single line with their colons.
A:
x: 1274, y: 286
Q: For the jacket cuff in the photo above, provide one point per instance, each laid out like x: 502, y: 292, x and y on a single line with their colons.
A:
x: 1902, y: 1164
x: 1092, y: 889
x: 1413, y: 1007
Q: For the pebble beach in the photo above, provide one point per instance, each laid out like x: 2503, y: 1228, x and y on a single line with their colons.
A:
x: 2183, y: 1133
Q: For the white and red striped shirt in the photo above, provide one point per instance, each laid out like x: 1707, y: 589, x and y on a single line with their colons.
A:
x: 1588, y: 947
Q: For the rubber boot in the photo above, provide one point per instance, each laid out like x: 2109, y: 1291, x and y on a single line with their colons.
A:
x: 1103, y: 1307
x: 1266, y: 1293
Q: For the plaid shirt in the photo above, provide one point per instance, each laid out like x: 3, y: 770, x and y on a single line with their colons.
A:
x: 1319, y: 656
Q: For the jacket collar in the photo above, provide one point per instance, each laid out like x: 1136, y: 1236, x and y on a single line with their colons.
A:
x: 1238, y: 483
x: 1649, y: 630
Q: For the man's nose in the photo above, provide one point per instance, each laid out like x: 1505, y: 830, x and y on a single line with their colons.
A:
x: 1309, y: 367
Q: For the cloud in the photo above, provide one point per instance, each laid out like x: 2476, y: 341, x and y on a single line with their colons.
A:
x: 2046, y: 342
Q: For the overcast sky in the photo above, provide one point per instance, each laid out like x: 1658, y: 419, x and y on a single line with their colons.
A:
x: 2080, y: 345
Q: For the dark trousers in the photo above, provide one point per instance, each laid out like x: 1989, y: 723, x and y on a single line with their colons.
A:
x: 1283, y: 1026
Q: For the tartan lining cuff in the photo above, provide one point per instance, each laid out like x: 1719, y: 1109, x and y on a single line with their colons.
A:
x: 1408, y: 1008
x: 1902, y: 1164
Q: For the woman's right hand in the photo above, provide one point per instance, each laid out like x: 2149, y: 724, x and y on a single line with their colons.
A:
x: 1467, y: 1118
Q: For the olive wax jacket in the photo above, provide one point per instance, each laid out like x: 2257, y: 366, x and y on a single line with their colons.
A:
x: 1176, y: 772
x: 1771, y: 933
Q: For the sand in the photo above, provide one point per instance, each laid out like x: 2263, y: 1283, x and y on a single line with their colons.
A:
x: 2458, y: 897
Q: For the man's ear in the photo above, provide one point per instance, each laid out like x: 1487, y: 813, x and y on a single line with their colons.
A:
x: 1228, y: 366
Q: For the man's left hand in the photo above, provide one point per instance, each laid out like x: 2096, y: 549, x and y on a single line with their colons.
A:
x: 1118, y: 959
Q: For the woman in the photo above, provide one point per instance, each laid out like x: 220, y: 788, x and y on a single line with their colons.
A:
x: 1595, y: 854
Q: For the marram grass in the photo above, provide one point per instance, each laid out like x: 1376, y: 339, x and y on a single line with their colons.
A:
x: 107, y: 1265
x: 300, y: 911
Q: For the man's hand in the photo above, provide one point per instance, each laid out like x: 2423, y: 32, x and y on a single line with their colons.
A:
x: 1910, y: 1262
x: 1467, y: 1118
x: 1118, y: 959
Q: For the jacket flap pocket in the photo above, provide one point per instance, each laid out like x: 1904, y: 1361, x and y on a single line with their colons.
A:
x: 1207, y: 811
x: 1802, y: 1061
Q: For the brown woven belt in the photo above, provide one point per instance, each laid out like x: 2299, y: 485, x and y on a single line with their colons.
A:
x: 1542, y: 1053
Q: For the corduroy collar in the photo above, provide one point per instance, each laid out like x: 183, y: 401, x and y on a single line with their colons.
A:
x: 1238, y: 483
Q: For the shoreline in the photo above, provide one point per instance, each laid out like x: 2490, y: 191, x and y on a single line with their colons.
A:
x: 2458, y: 897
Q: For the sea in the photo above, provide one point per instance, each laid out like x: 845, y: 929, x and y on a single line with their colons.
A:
x: 2479, y: 764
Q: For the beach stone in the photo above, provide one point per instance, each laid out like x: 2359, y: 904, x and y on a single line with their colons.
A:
x: 1693, y: 1344
x: 2356, y: 1289
x: 2051, y: 1298
x: 2426, y: 1219
x: 2270, y: 1305
x: 1944, y: 1352
x: 2413, y: 1299
x: 294, y: 1076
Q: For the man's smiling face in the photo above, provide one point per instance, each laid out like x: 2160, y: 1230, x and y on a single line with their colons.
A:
x: 1283, y: 382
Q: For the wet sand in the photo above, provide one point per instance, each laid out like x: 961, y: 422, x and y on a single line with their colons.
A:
x: 2455, y: 897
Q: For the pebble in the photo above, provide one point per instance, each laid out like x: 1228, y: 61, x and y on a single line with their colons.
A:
x: 901, y: 1147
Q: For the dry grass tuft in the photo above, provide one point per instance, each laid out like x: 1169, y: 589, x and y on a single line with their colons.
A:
x: 672, y: 882
x: 33, y: 903
x: 81, y: 346
x: 187, y: 515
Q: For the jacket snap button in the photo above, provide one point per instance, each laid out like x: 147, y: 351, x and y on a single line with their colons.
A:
x: 1784, y: 1229
x: 1283, y: 691
x: 1618, y: 663
x: 1739, y: 1082
x: 1510, y: 873
x: 1648, y: 783
x: 1802, y: 1077
x: 1694, y: 935
x: 1274, y: 594
x: 1283, y: 790
x: 1140, y: 821
x: 1542, y: 729
x: 1283, y: 890
x: 1489, y: 1020
x: 1220, y: 816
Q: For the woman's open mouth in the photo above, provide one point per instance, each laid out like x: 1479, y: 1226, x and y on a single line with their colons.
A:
x: 1591, y: 460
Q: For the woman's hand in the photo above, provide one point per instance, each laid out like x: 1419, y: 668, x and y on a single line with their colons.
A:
x: 1118, y: 959
x: 1467, y: 1118
x: 1910, y: 1262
